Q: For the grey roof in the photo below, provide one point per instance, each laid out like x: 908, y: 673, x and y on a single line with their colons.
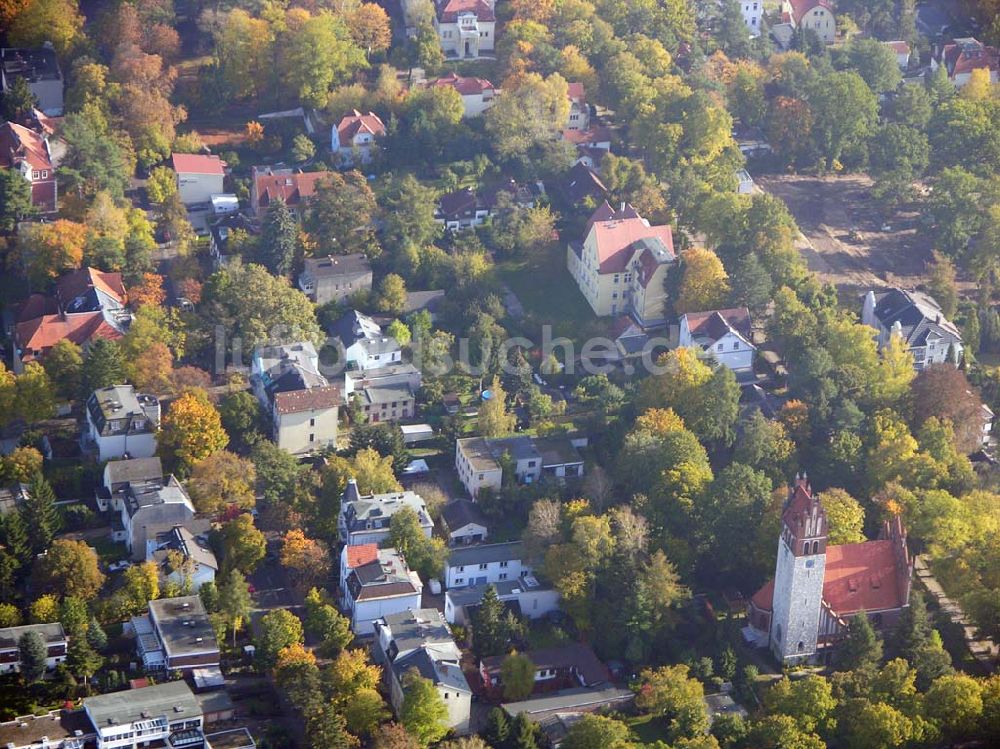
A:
x: 334, y: 266
x: 385, y: 577
x: 520, y: 448
x: 302, y: 353
x: 413, y: 628
x: 388, y: 393
x: 375, y: 511
x: 150, y: 493
x: 183, y: 625
x: 11, y: 497
x: 134, y: 470
x: 473, y: 594
x: 461, y: 512
x: 447, y: 673
x: 58, y: 725
x: 121, y: 402
x: 191, y: 546
x: 50, y: 632
x: 917, y: 314
x: 418, y: 300
x: 295, y: 377
x: 122, y: 708
x: 355, y: 326
x: 485, y: 553
x: 575, y: 656
x: 557, y: 451
x: 578, y: 698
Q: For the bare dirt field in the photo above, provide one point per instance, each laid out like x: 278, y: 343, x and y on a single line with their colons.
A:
x: 829, y: 209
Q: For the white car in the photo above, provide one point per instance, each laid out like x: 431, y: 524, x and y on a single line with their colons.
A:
x: 119, y: 566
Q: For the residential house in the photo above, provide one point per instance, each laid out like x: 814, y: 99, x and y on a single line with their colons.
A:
x: 385, y: 393
x: 902, y: 51
x: 149, y: 508
x: 478, y: 460
x: 268, y: 184
x: 304, y: 407
x: 622, y: 263
x: 485, y: 564
x: 420, y: 639
x: 199, y: 177
x: 814, y: 15
x: 560, y: 667
x: 918, y: 319
x: 122, y: 423
x: 335, y: 277
x: 354, y: 136
x: 464, y: 523
x: 753, y: 11
x: 53, y: 634
x: 28, y: 152
x: 961, y: 56
x: 12, y: 498
x: 39, y: 66
x: 120, y: 474
x: 176, y: 635
x: 591, y: 143
x: 556, y: 712
x: 582, y: 183
x: 527, y: 596
x: 723, y: 334
x: 804, y: 612
x: 462, y: 209
x: 221, y: 230
x: 87, y: 304
x: 466, y: 28
x: 195, y: 554
x: 168, y: 715
x: 579, y: 110
x: 379, y: 588
x: 365, y: 346
x: 58, y: 729
x: 477, y: 94
x: 365, y: 519
x: 352, y: 557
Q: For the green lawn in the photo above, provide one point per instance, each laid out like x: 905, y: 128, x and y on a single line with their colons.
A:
x: 648, y: 729
x: 109, y: 551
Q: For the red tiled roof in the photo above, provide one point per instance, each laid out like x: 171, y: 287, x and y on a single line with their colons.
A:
x: 78, y: 282
x: 449, y: 10
x: 615, y: 239
x: 18, y: 143
x: 34, y: 306
x: 714, y: 323
x: 356, y: 122
x: 900, y: 47
x: 862, y: 577
x: 294, y: 189
x: 965, y: 55
x: 576, y: 92
x: 597, y: 134
x: 363, y: 554
x: 310, y: 399
x: 42, y: 333
x: 798, y: 505
x: 763, y: 599
x: 464, y: 86
x: 801, y: 7
x: 197, y: 163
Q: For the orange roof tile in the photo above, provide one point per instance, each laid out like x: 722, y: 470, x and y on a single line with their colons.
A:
x: 198, y: 163
x: 615, y: 240
x: 363, y: 554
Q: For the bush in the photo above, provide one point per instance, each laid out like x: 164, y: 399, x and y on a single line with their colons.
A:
x: 79, y: 516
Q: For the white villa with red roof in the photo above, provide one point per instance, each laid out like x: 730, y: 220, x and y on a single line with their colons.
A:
x: 579, y: 110
x: 817, y: 589
x: 353, y: 137
x: 477, y: 93
x: 28, y: 152
x: 961, y: 56
x: 621, y: 264
x: 816, y: 15
x: 199, y: 177
x: 724, y: 334
x: 465, y: 28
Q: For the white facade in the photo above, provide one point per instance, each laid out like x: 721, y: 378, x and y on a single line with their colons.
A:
x: 535, y: 601
x: 726, y: 345
x: 466, y: 37
x: 484, y: 565
x: 752, y: 11
x: 53, y: 635
x: 198, y: 188
x: 467, y: 534
x: 929, y: 335
x: 365, y: 613
x: 307, y: 430
x: 364, y: 355
x: 815, y: 15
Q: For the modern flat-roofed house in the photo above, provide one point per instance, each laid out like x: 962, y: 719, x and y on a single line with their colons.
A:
x: 365, y: 519
x: 527, y: 596
x: 61, y: 729
x: 122, y: 423
x: 39, y: 66
x: 917, y: 318
x: 354, y: 136
x: 53, y: 634
x: 478, y: 460
x: 723, y: 334
x: 420, y: 639
x: 814, y: 15
x: 167, y: 715
x: 150, y: 508
x: 375, y: 589
x: 199, y: 177
x: 27, y: 152
x: 466, y: 28
x: 464, y: 523
x: 478, y: 94
x: 179, y: 635
x: 485, y: 564
x: 335, y: 277
x: 622, y: 263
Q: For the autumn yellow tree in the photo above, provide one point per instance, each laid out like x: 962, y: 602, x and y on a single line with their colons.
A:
x: 494, y: 418
x: 56, y: 21
x: 307, y: 558
x: 979, y: 87
x: 191, y: 431
x: 221, y: 479
x: 294, y: 655
x: 895, y: 369
x: 49, y: 249
x: 373, y: 472
x: 845, y: 516
x: 148, y: 291
x: 704, y: 283
x: 370, y: 28
x: 150, y: 371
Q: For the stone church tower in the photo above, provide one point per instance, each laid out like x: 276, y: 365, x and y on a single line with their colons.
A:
x: 798, y: 576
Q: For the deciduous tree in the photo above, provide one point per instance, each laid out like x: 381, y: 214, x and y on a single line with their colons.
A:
x: 191, y: 430
x: 424, y: 713
x: 222, y: 479
x: 69, y: 568
x: 243, y: 545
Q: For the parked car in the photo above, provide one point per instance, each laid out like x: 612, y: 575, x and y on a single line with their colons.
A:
x: 124, y: 564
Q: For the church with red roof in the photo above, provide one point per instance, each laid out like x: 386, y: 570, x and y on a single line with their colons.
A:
x: 804, y: 612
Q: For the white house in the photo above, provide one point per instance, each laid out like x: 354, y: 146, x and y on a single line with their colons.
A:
x: 478, y: 460
x: 478, y: 94
x: 122, y: 423
x: 383, y: 586
x: 961, y: 56
x: 918, y: 319
x: 176, y: 635
x: 816, y: 15
x: 466, y: 28
x: 194, y: 551
x: 159, y: 715
x: 420, y: 639
x: 527, y: 594
x: 352, y: 557
x: 902, y: 51
x: 52, y: 634
x: 199, y: 177
x: 365, y: 346
x: 119, y: 474
x: 579, y: 110
x: 354, y: 136
x: 621, y: 264
x: 485, y: 564
x: 752, y: 11
x: 464, y: 523
x: 366, y: 519
x: 150, y: 508
x: 724, y: 334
